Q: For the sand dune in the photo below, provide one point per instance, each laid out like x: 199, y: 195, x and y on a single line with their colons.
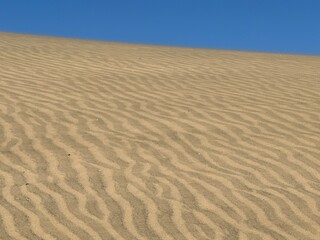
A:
x: 102, y: 140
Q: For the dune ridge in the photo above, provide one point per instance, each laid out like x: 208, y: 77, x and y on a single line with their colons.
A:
x: 105, y: 140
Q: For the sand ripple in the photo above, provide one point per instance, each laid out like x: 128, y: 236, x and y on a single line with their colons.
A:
x: 102, y: 140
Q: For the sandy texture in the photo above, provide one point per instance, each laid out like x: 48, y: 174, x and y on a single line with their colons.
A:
x: 102, y: 140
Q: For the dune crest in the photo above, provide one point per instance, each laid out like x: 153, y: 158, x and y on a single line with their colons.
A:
x: 103, y: 140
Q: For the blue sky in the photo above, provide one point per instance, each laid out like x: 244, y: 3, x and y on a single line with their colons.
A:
x: 272, y: 25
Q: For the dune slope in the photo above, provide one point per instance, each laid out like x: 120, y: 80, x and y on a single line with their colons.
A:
x: 102, y: 140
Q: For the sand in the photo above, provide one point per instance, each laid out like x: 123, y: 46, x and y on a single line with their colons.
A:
x: 105, y: 140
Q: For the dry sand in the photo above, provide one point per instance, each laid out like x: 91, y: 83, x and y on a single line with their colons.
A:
x: 102, y: 140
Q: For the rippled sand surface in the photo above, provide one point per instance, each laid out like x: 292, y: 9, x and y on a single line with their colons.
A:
x: 102, y: 140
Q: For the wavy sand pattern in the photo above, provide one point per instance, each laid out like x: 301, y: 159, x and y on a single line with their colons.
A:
x: 103, y: 140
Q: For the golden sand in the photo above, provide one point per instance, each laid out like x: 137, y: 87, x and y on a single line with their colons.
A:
x: 102, y: 140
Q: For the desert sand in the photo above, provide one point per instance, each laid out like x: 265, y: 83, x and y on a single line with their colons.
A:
x: 106, y: 140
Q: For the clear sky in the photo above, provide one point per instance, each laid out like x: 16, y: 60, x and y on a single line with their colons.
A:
x: 265, y: 25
